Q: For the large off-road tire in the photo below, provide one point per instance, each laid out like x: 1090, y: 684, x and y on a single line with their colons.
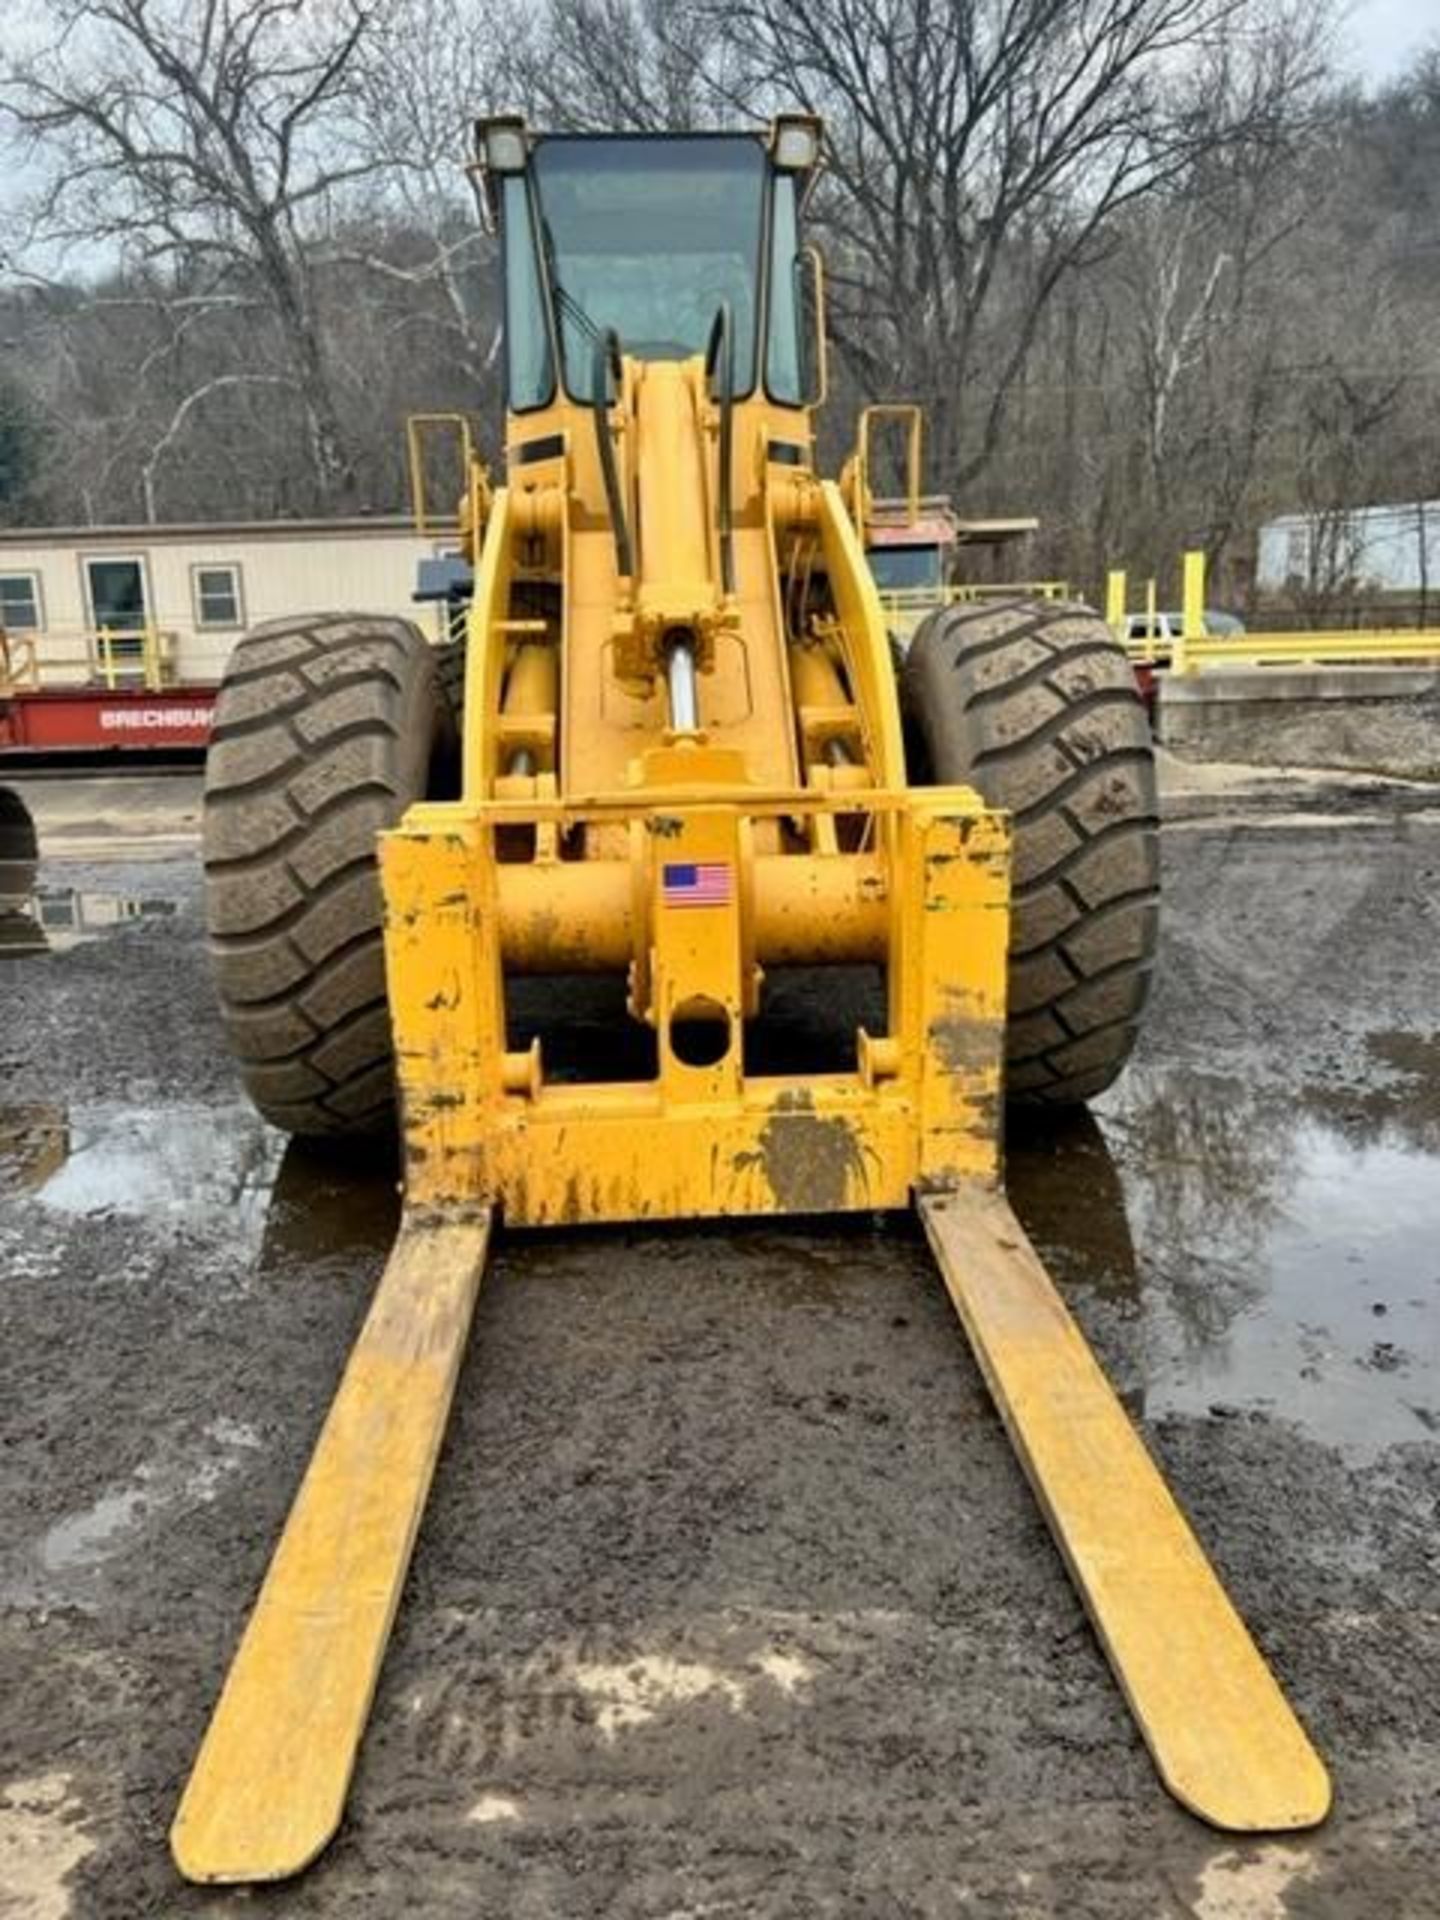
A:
x: 19, y: 848
x: 1034, y: 704
x: 326, y: 729
x: 450, y: 676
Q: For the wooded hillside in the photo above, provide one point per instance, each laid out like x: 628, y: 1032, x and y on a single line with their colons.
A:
x: 1156, y: 273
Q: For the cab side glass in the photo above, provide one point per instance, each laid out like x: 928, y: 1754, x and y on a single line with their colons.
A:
x: 810, y: 302
x: 530, y: 376
x: 785, y: 349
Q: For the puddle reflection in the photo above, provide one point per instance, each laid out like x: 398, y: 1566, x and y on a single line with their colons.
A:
x: 1065, y: 1186
x: 1291, y: 1262
x: 1272, y: 1254
x: 20, y: 932
x: 218, y: 1170
x: 54, y: 919
x: 34, y: 1143
x: 206, y: 1166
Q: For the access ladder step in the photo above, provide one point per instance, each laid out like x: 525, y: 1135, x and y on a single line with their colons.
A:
x: 269, y: 1783
x: 1221, y: 1732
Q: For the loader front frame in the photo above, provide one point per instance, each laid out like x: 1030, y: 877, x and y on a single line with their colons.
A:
x: 918, y: 1111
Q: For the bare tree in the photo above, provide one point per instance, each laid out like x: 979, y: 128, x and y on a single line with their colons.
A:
x: 421, y: 86
x: 211, y: 141
x: 651, y: 65
x: 1154, y: 276
x: 982, y: 150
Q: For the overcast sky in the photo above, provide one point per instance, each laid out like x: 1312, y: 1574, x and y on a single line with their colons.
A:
x: 1380, y: 35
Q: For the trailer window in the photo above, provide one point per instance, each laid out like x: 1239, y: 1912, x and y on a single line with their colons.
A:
x: 20, y: 602
x: 649, y: 236
x: 217, y: 596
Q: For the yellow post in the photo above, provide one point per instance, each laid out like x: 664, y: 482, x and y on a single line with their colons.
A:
x: 1192, y: 607
x: 1115, y: 601
x: 1192, y: 599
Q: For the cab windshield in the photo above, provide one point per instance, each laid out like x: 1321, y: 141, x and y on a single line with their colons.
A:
x: 647, y: 236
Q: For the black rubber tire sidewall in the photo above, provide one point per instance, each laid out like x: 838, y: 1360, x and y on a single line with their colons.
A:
x: 1035, y: 705
x: 327, y: 727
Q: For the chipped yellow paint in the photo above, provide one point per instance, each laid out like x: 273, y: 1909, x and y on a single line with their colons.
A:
x: 483, y: 1125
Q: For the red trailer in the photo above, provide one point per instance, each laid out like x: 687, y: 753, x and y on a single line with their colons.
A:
x: 89, y: 720
x: 122, y: 698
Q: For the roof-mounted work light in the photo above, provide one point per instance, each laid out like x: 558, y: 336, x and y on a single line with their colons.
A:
x: 502, y: 143
x: 795, y: 141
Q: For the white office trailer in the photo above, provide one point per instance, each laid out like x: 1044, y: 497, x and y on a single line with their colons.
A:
x: 74, y: 600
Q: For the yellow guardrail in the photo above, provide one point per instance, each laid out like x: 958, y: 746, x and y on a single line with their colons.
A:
x: 912, y: 419
x: 1293, y: 649
x: 1010, y: 589
x: 906, y: 607
x: 106, y: 656
x: 1192, y: 649
x: 422, y: 430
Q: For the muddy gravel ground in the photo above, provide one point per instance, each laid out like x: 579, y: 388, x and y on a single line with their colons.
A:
x: 730, y: 1599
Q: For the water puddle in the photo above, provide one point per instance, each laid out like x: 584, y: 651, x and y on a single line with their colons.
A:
x: 67, y: 1562
x: 212, y: 1167
x: 43, y: 919
x: 1273, y: 1254
x: 1287, y: 1257
x: 54, y: 919
x: 216, y: 1171
x: 206, y: 1171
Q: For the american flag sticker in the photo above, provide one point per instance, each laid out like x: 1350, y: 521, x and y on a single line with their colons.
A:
x: 695, y: 883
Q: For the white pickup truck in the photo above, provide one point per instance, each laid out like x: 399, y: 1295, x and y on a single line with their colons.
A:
x: 1169, y: 625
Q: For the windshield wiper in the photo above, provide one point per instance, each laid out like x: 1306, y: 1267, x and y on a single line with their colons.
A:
x: 607, y: 361
x: 565, y: 303
x: 572, y: 310
x: 720, y: 375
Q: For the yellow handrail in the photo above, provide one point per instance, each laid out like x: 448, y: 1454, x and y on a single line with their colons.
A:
x: 914, y: 419
x: 84, y: 656
x: 1359, y: 649
x: 418, y: 428
x: 1011, y: 589
x: 905, y: 607
x: 124, y: 652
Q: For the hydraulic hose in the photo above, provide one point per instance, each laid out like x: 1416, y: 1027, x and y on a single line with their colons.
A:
x: 607, y: 362
x: 720, y: 373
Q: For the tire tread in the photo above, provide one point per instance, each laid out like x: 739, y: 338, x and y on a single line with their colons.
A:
x: 1034, y: 703
x: 325, y: 730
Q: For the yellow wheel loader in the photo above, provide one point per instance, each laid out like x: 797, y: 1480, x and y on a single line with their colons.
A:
x: 667, y: 746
